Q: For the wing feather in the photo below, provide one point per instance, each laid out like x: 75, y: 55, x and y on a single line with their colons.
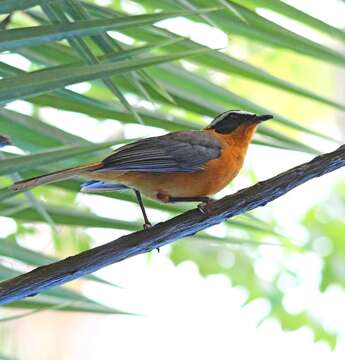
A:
x: 184, y: 151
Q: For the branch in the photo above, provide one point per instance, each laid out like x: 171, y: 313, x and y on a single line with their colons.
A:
x: 186, y: 224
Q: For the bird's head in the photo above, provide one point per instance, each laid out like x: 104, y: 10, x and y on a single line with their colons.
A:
x: 236, y: 120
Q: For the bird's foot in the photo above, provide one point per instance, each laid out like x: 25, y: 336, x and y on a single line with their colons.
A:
x: 147, y: 226
x: 204, y: 206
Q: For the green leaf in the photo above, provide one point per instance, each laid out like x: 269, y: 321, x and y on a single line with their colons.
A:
x: 70, y: 216
x: 109, y: 47
x: 52, y: 297
x: 291, y: 12
x: 30, y: 36
x: 12, y: 250
x: 229, y: 64
x: 38, y: 134
x: 8, y: 6
x: 21, y: 163
x: 79, y: 103
x: 29, y: 313
x: 264, y: 31
x: 229, y: 6
x: 37, y: 82
x: 56, y: 14
x: 45, y: 301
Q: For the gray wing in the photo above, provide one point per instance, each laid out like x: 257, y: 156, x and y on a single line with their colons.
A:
x: 184, y: 151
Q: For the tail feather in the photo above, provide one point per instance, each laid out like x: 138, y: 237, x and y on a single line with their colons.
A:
x: 52, y: 177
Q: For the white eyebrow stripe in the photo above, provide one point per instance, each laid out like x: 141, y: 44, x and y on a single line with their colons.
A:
x: 223, y: 115
x: 242, y: 112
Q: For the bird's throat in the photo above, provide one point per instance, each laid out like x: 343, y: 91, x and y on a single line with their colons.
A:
x: 241, y: 137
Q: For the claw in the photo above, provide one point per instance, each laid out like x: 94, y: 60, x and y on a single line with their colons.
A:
x: 204, y: 206
x: 147, y: 226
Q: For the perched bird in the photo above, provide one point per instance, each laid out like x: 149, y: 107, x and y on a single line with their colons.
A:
x: 179, y: 166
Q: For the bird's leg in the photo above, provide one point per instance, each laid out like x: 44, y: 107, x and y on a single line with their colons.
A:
x: 147, y: 223
x: 205, y: 201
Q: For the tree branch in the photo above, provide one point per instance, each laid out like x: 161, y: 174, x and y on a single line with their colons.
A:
x: 186, y: 224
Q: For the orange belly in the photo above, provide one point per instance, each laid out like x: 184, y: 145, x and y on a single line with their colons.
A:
x: 208, y: 181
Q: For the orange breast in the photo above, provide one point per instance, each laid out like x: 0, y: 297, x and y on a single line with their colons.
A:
x: 215, y: 175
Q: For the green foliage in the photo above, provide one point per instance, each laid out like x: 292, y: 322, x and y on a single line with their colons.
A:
x: 326, y: 227
x: 159, y: 79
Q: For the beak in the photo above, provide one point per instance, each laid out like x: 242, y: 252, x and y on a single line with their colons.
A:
x: 263, y: 118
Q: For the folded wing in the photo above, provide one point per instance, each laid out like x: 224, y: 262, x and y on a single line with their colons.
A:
x: 184, y: 151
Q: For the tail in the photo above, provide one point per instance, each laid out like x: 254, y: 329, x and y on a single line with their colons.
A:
x: 52, y: 177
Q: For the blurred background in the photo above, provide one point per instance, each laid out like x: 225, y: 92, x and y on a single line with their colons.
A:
x: 269, y: 283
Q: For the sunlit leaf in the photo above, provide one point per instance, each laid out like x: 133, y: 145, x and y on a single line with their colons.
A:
x: 39, y: 82
x: 30, y: 36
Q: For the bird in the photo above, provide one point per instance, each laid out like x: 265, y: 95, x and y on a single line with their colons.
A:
x: 181, y: 166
